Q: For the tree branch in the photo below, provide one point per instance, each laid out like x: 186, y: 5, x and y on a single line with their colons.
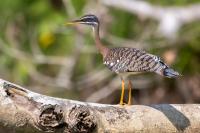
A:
x: 170, y: 18
x: 23, y: 109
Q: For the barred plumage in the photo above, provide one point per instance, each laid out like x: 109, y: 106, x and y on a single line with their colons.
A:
x: 123, y: 59
x: 126, y: 60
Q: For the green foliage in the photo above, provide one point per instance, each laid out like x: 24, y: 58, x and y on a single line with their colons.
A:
x: 78, y: 5
x: 190, y: 51
x: 21, y: 71
x: 123, y: 22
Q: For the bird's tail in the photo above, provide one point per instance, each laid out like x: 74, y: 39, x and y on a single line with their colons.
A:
x: 168, y: 72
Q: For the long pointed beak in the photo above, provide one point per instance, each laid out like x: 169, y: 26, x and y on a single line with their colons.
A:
x: 71, y: 23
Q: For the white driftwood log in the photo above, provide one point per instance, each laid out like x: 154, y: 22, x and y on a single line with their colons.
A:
x: 27, y: 111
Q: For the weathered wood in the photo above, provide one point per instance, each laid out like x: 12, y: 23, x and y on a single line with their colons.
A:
x: 25, y: 111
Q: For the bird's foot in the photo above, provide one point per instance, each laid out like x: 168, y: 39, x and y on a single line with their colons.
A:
x: 129, y: 103
x: 122, y: 103
x: 126, y: 104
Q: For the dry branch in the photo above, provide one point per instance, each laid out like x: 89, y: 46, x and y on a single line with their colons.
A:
x: 28, y: 111
x: 170, y: 18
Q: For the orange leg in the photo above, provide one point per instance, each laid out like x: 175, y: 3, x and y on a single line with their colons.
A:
x: 129, y: 92
x: 122, y: 94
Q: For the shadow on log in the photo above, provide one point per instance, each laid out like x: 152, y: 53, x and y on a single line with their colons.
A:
x: 26, y: 111
x: 178, y: 119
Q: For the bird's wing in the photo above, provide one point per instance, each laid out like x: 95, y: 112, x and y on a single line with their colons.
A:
x: 132, y: 60
x: 123, y: 60
x: 147, y: 62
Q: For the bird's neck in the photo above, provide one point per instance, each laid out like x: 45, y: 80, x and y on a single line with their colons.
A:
x: 102, y: 49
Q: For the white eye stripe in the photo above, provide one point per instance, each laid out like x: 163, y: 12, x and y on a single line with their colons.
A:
x: 89, y: 23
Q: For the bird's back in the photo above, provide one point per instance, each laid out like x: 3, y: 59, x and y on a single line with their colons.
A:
x: 123, y: 59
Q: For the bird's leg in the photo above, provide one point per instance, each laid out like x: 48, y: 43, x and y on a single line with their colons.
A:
x: 122, y: 94
x: 129, y: 92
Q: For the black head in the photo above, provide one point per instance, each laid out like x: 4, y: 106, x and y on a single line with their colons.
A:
x: 86, y: 19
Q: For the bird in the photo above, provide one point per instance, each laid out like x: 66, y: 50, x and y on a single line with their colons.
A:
x: 125, y: 60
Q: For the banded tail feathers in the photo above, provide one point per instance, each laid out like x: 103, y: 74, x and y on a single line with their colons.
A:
x: 168, y: 72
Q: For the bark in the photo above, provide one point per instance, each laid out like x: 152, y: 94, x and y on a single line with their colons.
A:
x: 23, y: 110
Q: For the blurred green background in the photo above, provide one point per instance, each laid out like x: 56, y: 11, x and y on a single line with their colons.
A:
x: 38, y: 52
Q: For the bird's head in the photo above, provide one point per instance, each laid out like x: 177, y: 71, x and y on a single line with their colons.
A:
x: 90, y: 19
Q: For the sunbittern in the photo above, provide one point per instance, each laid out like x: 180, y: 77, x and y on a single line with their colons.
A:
x: 124, y: 60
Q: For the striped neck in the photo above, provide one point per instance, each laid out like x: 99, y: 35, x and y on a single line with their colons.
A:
x: 102, y: 49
